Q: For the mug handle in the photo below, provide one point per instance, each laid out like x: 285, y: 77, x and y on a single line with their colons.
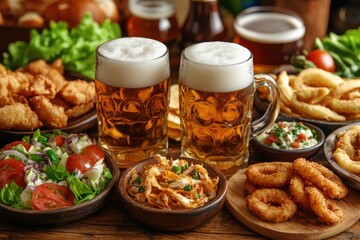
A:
x: 263, y: 123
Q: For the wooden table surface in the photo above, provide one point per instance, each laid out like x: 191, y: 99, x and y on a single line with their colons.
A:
x: 112, y: 222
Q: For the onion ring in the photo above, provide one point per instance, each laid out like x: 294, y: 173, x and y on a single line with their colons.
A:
x: 269, y: 175
x: 326, y: 210
x: 249, y: 188
x: 349, y: 142
x: 271, y: 205
x: 322, y: 178
x: 344, y: 161
x: 297, y: 191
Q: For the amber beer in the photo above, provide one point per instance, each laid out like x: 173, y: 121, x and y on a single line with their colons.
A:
x: 152, y: 19
x: 132, y: 87
x: 274, y: 35
x: 216, y: 98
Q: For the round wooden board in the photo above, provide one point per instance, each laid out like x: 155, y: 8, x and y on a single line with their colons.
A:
x: 303, y: 225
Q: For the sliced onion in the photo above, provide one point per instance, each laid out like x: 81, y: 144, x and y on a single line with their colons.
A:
x: 13, y: 152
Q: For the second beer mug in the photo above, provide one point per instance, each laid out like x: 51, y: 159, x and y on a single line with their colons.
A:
x: 132, y: 92
x: 217, y: 86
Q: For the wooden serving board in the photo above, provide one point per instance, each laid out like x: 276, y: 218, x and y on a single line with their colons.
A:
x: 303, y: 225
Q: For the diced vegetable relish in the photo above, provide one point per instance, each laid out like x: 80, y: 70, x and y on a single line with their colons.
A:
x: 289, y: 135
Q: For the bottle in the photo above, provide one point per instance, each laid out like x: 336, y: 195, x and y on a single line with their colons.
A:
x: 203, y: 23
x: 152, y: 19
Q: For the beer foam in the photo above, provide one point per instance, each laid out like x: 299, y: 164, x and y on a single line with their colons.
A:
x: 284, y: 36
x: 132, y: 62
x: 155, y: 9
x: 216, y: 67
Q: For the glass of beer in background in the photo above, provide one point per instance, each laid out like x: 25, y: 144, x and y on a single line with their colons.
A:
x: 273, y: 34
x: 132, y: 92
x: 152, y: 19
x: 217, y: 86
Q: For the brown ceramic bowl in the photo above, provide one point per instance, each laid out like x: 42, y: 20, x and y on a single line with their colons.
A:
x: 349, y: 178
x: 172, y: 220
x: 274, y: 154
x: 66, y: 214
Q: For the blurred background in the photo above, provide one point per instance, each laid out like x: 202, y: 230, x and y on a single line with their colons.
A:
x: 17, y: 17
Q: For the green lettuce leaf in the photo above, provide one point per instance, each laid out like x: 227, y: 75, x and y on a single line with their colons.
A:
x: 76, y: 47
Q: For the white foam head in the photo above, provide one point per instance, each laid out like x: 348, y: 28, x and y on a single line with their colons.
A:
x: 132, y: 62
x: 216, y: 67
x: 266, y: 21
x: 154, y: 9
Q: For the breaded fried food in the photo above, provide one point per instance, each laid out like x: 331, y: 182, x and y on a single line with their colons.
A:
x: 52, y: 116
x: 78, y: 92
x: 18, y: 116
x: 2, y: 70
x: 39, y: 85
x: 53, y: 71
x: 79, y: 110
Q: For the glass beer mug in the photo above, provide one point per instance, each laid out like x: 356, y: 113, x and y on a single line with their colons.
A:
x: 132, y: 91
x: 217, y: 86
x: 274, y: 35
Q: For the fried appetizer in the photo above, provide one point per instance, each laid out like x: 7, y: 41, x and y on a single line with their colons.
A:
x: 78, y: 92
x: 54, y: 71
x: 18, y: 116
x: 52, y: 116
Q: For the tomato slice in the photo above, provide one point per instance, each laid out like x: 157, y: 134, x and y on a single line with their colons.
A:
x: 51, y: 195
x: 58, y: 140
x: 271, y: 138
x: 14, y: 144
x: 81, y: 162
x: 94, y: 151
x: 301, y: 137
x: 12, y: 170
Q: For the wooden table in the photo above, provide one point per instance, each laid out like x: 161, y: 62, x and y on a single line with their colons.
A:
x: 112, y: 222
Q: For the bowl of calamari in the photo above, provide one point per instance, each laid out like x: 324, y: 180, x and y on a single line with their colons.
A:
x: 342, y: 151
x: 172, y: 194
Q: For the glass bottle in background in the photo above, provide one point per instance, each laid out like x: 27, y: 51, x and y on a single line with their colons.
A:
x: 152, y: 19
x: 203, y: 23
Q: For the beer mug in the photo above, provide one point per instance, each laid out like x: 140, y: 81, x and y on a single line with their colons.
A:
x: 216, y: 90
x: 132, y: 92
x: 273, y: 34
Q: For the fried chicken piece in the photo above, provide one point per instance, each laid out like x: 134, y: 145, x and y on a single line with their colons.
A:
x: 10, y: 85
x: 53, y: 72
x: 52, y: 116
x: 3, y: 70
x: 79, y: 110
x: 39, y: 85
x: 78, y: 92
x: 18, y: 116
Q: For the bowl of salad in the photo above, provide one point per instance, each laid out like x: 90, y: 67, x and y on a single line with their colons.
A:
x: 54, y: 177
x: 288, y: 140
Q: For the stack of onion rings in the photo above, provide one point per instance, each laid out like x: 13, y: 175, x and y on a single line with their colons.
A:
x: 310, y: 186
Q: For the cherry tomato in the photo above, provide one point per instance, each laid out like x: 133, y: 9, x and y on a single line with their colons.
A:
x: 80, y: 161
x: 14, y: 144
x: 322, y: 59
x: 12, y: 170
x: 58, y: 140
x: 51, y: 195
x: 94, y: 151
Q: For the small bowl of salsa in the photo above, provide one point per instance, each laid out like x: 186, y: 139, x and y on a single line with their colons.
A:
x: 288, y: 140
